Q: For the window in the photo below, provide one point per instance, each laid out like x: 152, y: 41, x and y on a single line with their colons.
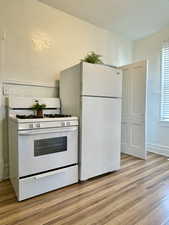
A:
x: 50, y: 146
x: 165, y: 82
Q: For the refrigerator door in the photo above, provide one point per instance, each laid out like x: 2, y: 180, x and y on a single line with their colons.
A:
x: 100, y: 80
x: 100, y: 136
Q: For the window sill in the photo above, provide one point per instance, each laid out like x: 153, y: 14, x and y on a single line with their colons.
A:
x: 164, y: 123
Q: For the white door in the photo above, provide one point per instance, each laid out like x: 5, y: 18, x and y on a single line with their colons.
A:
x: 101, y: 80
x: 100, y: 136
x: 134, y: 109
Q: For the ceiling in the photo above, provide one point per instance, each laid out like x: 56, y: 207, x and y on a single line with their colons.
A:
x: 134, y: 19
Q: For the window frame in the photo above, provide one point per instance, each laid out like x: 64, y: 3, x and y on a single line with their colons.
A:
x: 162, y: 81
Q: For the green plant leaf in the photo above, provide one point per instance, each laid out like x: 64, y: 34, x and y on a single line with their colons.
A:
x: 92, y: 57
x: 38, y: 106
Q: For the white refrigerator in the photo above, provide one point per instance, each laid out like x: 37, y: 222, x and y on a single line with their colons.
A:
x: 93, y: 93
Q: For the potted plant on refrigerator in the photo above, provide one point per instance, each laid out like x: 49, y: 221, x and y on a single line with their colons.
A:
x: 93, y: 58
x: 38, y: 108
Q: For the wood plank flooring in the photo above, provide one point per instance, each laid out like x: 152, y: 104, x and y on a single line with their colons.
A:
x: 138, y: 194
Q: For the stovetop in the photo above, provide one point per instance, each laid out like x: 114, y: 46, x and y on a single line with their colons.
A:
x: 43, y: 117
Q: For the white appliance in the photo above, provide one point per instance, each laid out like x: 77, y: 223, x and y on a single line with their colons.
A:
x: 93, y: 93
x: 43, y: 152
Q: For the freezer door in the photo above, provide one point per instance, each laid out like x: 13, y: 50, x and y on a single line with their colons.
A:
x: 100, y: 136
x: 100, y: 80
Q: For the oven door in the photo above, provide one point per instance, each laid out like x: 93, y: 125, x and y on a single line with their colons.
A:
x: 46, y: 149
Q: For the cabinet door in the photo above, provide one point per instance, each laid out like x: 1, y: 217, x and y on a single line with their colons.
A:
x: 101, y: 80
x: 134, y: 109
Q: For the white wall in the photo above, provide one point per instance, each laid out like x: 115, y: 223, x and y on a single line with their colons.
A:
x: 158, y: 132
x: 37, y: 42
x: 42, y: 41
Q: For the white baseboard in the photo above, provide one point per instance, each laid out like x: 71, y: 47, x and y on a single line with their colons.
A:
x: 132, y: 151
x: 158, y: 149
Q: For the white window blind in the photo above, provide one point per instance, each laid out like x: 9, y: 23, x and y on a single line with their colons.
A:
x: 165, y: 81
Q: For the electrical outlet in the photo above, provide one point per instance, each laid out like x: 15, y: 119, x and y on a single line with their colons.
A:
x: 3, y: 36
x: 5, y: 91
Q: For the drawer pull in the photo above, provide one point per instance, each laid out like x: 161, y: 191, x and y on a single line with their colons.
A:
x: 48, y: 174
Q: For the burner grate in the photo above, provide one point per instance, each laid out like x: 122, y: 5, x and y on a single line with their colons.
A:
x: 45, y: 116
x: 56, y: 115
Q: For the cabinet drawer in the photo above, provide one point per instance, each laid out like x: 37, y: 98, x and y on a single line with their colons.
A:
x: 39, y: 184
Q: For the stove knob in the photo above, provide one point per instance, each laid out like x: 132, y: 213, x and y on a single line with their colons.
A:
x: 38, y: 125
x: 31, y: 126
x: 63, y: 124
x: 68, y: 124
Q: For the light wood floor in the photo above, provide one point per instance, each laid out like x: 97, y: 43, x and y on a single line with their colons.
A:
x: 137, y: 194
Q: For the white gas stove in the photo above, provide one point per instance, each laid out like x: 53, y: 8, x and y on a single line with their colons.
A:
x: 43, y: 151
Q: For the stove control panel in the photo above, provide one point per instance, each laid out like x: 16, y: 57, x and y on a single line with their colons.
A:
x: 47, y: 124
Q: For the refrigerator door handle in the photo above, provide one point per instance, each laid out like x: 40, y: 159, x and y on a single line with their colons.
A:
x: 99, y: 96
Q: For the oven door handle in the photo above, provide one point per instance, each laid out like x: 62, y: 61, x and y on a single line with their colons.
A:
x: 48, y: 174
x: 35, y: 132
